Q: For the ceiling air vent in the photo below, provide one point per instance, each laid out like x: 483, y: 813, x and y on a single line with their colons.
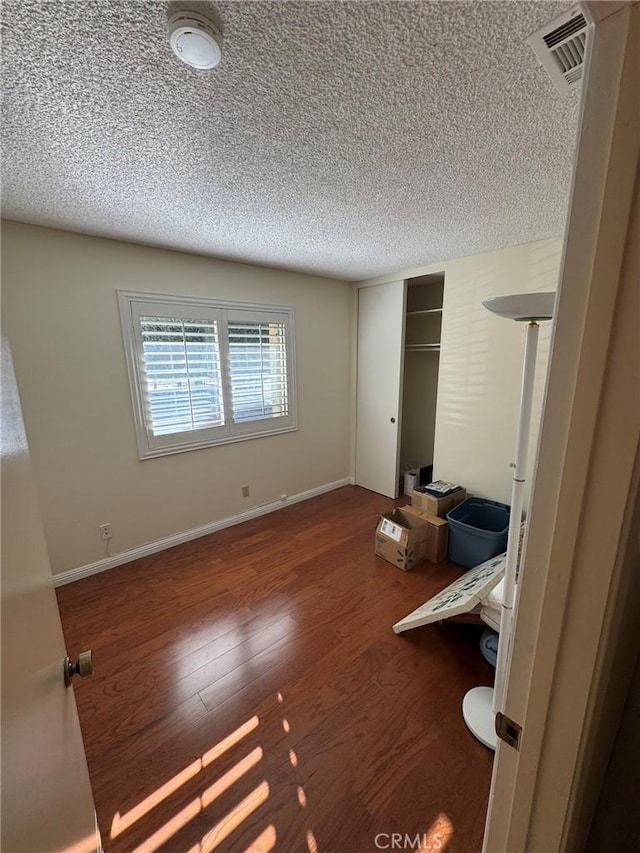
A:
x: 561, y: 45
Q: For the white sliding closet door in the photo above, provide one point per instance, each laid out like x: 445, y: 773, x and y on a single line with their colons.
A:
x: 379, y: 387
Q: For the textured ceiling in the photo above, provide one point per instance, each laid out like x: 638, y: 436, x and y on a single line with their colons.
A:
x: 344, y: 138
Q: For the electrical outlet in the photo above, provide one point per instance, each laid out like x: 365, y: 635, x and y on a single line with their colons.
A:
x: 105, y: 532
x: 245, y: 491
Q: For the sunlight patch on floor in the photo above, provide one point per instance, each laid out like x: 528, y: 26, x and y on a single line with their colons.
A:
x: 227, y: 780
x: 120, y: 823
x: 232, y: 821
x: 436, y: 839
x: 228, y: 742
x: 265, y: 842
x: 170, y: 828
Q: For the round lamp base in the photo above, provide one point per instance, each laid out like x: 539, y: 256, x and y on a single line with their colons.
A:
x: 477, y: 710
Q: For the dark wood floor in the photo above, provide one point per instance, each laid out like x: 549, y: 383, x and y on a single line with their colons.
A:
x: 250, y: 693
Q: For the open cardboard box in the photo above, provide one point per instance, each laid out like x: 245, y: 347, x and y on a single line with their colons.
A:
x: 406, y: 536
x: 437, y: 506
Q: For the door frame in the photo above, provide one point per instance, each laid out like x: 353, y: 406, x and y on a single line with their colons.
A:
x: 578, y: 588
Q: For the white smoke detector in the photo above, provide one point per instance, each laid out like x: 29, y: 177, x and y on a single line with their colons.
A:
x: 195, y: 40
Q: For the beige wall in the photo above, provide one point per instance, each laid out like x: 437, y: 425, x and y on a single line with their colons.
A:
x: 62, y: 319
x: 481, y: 363
x: 61, y: 315
x: 420, y: 388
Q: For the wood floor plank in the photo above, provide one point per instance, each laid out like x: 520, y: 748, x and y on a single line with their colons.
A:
x: 248, y: 684
x: 158, y: 690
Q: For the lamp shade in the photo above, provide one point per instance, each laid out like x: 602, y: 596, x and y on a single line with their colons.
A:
x: 523, y: 306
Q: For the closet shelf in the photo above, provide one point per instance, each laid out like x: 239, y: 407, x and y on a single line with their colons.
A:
x: 424, y: 311
x: 423, y: 347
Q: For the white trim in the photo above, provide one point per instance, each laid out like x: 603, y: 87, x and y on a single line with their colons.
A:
x: 587, y: 447
x: 195, y: 533
x: 216, y: 310
x: 200, y: 445
x: 205, y: 301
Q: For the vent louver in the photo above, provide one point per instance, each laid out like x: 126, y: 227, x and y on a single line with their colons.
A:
x: 572, y: 27
x: 561, y: 46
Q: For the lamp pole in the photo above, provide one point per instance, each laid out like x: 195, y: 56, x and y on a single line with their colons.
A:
x: 517, y: 506
x: 480, y: 704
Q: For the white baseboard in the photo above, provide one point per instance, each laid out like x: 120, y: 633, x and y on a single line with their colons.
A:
x: 178, y: 538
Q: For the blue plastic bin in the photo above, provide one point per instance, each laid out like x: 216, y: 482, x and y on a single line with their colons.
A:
x: 478, y: 531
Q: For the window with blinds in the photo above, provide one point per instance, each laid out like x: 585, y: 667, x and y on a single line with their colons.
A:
x: 258, y: 370
x: 183, y: 385
x: 204, y: 372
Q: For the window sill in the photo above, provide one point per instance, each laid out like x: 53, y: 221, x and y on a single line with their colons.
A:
x: 184, y: 447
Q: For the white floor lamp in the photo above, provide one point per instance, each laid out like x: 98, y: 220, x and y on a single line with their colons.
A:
x: 481, y: 704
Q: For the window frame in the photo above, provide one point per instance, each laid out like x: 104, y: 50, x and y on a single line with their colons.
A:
x: 132, y: 304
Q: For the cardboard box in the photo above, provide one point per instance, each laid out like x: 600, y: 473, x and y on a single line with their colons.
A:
x: 405, y: 537
x: 438, y: 536
x: 437, y: 506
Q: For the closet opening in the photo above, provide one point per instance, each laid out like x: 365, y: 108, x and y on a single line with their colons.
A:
x: 422, y: 335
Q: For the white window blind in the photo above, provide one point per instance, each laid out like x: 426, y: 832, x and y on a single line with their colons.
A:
x: 258, y: 370
x: 183, y: 385
x: 204, y: 372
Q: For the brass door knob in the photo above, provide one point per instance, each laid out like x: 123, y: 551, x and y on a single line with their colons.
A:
x: 82, y: 667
